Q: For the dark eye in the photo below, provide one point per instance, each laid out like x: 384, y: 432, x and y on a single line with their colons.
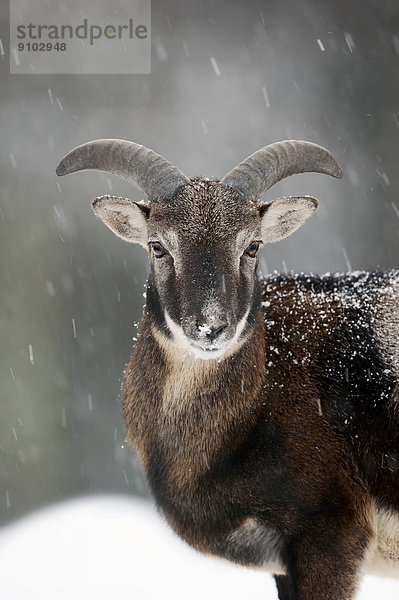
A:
x: 158, y: 249
x: 252, y: 249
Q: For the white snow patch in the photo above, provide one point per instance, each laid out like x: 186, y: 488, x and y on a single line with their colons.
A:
x: 114, y: 547
x: 204, y: 329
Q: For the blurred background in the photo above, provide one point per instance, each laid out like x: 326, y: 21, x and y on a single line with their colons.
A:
x: 227, y: 78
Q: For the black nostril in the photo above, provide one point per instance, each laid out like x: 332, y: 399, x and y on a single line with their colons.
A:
x: 215, y: 331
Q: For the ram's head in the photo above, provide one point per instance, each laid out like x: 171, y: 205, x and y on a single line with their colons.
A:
x: 202, y: 236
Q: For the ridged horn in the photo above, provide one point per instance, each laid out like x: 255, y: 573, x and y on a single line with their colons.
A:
x: 138, y: 165
x: 270, y: 164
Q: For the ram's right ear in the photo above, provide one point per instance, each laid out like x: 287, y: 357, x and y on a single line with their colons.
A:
x: 125, y: 218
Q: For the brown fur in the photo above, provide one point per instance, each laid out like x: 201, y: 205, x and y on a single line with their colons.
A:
x: 250, y: 437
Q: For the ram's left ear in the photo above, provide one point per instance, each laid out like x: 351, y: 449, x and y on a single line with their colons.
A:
x: 283, y: 216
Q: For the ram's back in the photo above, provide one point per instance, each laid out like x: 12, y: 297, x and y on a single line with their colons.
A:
x: 341, y: 333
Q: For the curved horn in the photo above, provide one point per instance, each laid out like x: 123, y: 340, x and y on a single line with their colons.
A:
x: 152, y: 173
x: 267, y: 166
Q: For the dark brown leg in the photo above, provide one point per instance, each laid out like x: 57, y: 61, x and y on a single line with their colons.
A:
x: 324, y: 563
x: 284, y: 587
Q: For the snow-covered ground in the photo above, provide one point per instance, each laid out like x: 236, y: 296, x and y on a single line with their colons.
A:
x: 113, y: 547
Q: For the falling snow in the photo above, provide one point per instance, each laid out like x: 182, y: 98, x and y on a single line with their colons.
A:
x: 349, y: 41
x: 74, y: 328
x: 266, y: 96
x: 215, y: 66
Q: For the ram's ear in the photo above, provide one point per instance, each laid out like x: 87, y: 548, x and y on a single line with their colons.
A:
x: 125, y: 218
x: 283, y: 216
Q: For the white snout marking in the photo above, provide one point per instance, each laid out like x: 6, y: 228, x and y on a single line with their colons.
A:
x: 217, y: 350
